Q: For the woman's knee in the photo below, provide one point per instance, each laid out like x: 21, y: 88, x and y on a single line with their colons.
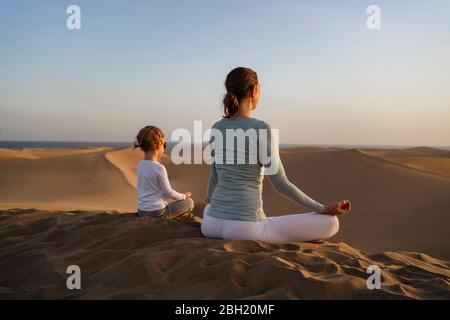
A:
x: 204, y: 230
x: 331, y: 227
x: 209, y: 227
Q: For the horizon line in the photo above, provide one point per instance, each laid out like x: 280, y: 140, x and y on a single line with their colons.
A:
x: 206, y: 142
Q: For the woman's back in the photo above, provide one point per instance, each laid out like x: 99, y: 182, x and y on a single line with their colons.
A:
x: 238, y: 183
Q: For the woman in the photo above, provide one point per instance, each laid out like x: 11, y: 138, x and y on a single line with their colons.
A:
x: 234, y: 202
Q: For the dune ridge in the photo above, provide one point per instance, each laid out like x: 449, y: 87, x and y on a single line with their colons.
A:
x: 39, y: 153
x: 6, y: 154
x: 124, y: 257
x: 422, y: 159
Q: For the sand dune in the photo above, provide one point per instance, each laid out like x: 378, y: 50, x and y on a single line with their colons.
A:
x: 38, y: 153
x: 394, y: 207
x: 123, y: 257
x: 126, y: 160
x: 434, y: 161
x: 64, y: 179
x: 6, y: 154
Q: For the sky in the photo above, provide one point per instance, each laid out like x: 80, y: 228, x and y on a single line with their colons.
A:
x: 325, y: 77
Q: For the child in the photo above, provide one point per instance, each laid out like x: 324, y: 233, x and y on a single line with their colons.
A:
x: 153, y: 183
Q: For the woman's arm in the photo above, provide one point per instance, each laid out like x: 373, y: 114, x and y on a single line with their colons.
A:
x: 279, y: 180
x: 166, y: 188
x: 212, y: 182
x: 282, y: 185
x: 212, y: 179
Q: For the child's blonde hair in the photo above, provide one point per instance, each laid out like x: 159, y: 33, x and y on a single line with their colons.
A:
x: 148, y: 138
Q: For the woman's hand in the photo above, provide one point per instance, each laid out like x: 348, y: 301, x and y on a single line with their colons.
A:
x: 188, y: 195
x: 338, y: 208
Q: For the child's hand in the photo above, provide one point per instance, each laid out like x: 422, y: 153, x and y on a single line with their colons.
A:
x: 188, y: 195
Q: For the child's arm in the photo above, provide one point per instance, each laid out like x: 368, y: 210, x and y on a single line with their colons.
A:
x: 166, y: 188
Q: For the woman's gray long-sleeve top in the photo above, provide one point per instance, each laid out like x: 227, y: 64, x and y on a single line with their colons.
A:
x: 235, y: 188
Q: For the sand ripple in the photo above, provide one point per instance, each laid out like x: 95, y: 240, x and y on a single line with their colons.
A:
x: 125, y: 257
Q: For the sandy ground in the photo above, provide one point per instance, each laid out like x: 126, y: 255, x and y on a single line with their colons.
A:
x: 125, y: 257
x: 401, y: 202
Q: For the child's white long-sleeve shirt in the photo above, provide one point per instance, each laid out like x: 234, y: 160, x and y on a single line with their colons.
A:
x: 153, y: 186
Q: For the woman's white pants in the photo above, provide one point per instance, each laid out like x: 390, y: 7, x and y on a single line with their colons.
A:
x: 287, y: 228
